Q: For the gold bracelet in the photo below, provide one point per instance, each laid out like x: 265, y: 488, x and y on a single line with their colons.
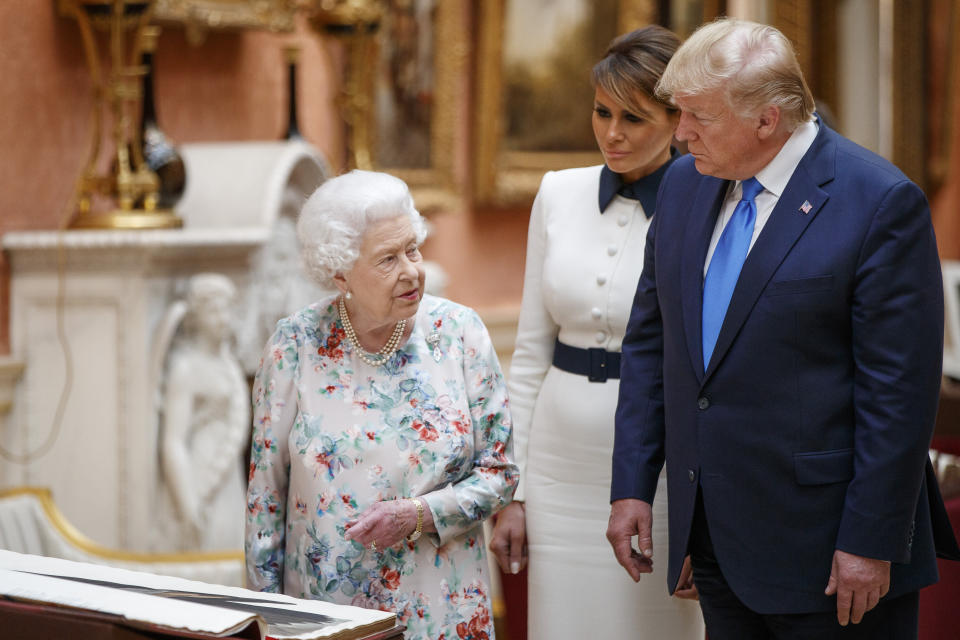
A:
x: 413, y: 537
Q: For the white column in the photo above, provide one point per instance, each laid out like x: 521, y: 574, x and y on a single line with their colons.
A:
x: 859, y: 70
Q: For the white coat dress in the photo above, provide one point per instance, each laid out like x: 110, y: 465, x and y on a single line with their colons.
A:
x: 581, y: 274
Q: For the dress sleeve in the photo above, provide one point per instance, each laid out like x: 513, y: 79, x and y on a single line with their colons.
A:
x: 274, y: 411
x: 491, y: 478
x: 536, y: 334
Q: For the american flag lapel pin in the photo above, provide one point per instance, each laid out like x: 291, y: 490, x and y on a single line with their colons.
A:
x: 805, y: 207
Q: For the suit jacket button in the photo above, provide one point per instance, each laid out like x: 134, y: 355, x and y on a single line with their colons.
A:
x: 703, y: 404
x: 692, y: 475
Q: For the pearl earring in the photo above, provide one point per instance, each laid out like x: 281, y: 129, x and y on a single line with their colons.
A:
x: 348, y: 295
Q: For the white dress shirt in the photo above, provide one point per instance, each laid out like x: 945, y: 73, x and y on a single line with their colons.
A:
x: 774, y: 178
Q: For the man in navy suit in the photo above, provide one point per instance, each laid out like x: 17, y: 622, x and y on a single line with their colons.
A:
x: 783, y: 355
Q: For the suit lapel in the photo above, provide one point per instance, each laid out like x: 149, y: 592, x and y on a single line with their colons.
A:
x: 798, y: 205
x: 702, y: 219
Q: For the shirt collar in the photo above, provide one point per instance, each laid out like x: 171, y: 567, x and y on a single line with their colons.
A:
x: 644, y: 189
x: 775, y: 176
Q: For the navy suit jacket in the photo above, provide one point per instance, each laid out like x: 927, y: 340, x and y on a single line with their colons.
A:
x: 809, y: 430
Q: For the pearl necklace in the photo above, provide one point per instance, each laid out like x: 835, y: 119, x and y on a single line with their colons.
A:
x: 380, y: 357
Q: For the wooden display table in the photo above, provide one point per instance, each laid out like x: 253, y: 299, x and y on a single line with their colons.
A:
x: 28, y: 621
x: 49, y: 598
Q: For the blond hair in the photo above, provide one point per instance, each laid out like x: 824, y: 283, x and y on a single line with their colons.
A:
x: 754, y: 65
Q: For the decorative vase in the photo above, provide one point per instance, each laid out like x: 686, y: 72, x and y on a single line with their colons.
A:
x: 159, y: 152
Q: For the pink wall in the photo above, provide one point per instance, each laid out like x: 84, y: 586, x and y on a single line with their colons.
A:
x: 482, y: 252
x: 44, y: 128
x: 232, y: 87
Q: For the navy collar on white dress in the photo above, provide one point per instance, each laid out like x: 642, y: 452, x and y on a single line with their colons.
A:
x: 644, y: 189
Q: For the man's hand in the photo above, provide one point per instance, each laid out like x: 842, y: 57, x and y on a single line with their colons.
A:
x: 686, y: 590
x: 508, y: 540
x: 631, y: 517
x: 859, y: 583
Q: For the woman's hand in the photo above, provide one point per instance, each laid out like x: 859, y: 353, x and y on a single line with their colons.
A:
x: 508, y: 542
x: 387, y: 523
x: 686, y: 589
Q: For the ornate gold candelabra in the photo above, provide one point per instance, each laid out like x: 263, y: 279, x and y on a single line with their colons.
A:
x: 355, y: 22
x: 129, y: 186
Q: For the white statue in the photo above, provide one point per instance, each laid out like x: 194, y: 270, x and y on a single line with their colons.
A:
x: 204, y: 421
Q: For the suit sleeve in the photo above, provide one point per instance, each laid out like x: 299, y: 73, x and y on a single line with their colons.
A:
x: 638, y: 447
x: 897, y: 340
x: 536, y: 333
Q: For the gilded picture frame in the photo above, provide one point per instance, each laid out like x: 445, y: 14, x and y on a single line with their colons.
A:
x: 420, y: 97
x: 505, y: 176
x: 199, y: 16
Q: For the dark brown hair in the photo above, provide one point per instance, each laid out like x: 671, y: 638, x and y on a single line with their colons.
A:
x: 635, y: 61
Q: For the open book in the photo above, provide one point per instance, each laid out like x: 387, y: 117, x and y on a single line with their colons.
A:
x: 148, y: 601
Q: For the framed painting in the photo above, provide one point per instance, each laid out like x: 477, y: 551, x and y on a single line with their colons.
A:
x: 422, y: 69
x: 534, y: 94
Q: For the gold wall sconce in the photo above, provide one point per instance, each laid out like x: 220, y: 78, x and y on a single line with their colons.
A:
x: 125, y: 195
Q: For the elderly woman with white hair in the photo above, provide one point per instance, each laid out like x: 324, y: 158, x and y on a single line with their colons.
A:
x: 382, y: 436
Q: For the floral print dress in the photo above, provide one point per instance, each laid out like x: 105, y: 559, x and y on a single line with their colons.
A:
x: 333, y: 434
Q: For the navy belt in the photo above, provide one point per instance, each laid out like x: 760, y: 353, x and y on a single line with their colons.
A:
x: 598, y: 365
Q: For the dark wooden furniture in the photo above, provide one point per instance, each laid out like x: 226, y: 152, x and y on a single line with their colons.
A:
x: 948, y: 414
x: 35, y: 621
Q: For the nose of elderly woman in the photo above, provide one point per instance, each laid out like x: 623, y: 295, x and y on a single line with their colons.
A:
x: 410, y: 265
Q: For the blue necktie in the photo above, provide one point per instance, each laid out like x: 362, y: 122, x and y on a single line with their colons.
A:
x: 724, y: 269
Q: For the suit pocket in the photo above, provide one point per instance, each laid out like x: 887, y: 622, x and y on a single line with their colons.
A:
x: 799, y: 285
x: 823, y: 467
